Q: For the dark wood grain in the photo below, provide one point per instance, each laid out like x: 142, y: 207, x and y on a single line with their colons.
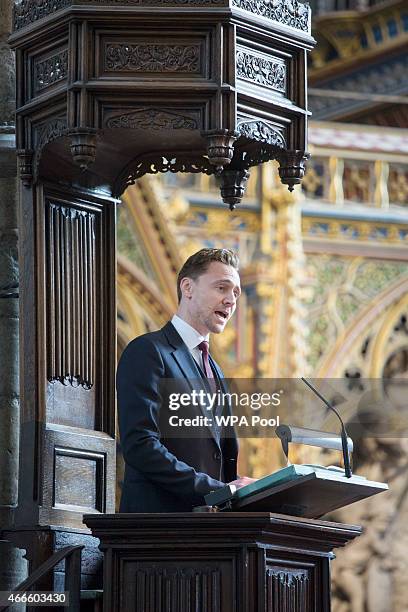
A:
x: 190, y: 82
x: 107, y: 92
x: 217, y: 562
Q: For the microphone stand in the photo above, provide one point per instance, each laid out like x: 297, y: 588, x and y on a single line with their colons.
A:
x: 344, y: 436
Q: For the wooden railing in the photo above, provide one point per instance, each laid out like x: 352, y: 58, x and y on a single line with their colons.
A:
x: 72, y: 583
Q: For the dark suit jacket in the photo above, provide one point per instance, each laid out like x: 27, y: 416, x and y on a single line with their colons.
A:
x: 164, y: 474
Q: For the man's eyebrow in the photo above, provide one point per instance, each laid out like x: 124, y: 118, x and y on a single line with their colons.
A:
x: 228, y: 281
x: 225, y: 280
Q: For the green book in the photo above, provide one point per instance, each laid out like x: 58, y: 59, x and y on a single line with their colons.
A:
x: 291, y: 472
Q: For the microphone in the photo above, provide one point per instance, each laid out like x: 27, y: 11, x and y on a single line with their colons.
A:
x: 344, y: 436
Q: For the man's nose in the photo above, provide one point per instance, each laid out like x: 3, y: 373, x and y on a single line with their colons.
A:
x: 230, y: 298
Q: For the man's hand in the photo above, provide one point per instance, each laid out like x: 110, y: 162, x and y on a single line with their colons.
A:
x: 243, y: 481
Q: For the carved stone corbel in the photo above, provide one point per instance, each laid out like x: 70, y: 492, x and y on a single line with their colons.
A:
x: 83, y: 146
x: 25, y: 165
x: 220, y: 148
x: 233, y: 183
x: 292, y: 167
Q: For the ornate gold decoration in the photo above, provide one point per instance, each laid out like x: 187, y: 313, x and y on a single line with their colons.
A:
x: 371, y: 231
x: 398, y: 184
x: 351, y: 34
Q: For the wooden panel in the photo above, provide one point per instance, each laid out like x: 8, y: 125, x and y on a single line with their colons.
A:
x: 222, y: 561
x: 48, y: 69
x: 67, y: 405
x: 73, y: 467
x: 139, y: 56
x: 261, y: 70
x: 71, y: 270
x: 288, y: 589
x: 78, y: 469
x: 181, y: 584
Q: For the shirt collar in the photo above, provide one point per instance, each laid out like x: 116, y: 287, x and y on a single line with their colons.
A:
x: 189, y: 335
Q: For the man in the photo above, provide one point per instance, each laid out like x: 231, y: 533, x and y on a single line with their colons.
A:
x: 167, y: 473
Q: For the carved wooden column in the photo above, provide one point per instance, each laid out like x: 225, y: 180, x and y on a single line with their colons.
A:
x: 67, y: 348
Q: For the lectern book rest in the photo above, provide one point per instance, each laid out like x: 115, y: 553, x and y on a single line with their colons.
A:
x: 309, y: 491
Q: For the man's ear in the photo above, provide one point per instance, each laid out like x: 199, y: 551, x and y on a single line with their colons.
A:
x: 186, y: 287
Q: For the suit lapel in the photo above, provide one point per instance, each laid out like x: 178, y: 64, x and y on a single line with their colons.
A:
x: 189, y: 369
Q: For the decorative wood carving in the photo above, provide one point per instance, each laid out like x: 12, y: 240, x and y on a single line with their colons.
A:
x: 227, y: 81
x: 29, y: 11
x: 217, y: 562
x: 151, y: 164
x: 158, y: 57
x: 157, y: 585
x: 83, y: 146
x: 287, y: 588
x: 292, y: 167
x: 25, y: 166
x: 262, y: 131
x: 71, y: 271
x: 50, y: 70
x: 68, y: 364
x: 151, y: 87
x: 293, y: 13
x: 220, y: 149
x: 44, y: 133
x: 261, y: 70
x: 154, y: 119
x: 47, y: 131
x: 233, y: 183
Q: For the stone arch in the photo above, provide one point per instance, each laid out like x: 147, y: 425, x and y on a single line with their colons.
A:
x: 135, y: 288
x: 392, y: 300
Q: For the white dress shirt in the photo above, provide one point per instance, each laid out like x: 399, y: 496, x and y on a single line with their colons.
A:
x: 190, y: 337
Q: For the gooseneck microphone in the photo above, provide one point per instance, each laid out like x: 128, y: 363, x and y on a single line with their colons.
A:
x: 344, y: 436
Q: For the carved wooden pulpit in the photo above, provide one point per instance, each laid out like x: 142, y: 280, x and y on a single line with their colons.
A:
x: 217, y: 562
x: 108, y: 90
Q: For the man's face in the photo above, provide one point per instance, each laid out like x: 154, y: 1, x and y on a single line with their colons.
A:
x: 211, y: 299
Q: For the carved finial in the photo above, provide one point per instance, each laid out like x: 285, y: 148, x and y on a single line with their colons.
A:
x: 220, y: 148
x: 25, y: 164
x: 83, y: 146
x: 292, y: 167
x: 233, y: 183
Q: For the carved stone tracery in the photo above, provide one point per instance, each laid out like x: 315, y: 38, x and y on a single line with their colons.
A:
x: 152, y: 57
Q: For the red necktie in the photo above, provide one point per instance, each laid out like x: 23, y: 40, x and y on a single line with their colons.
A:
x: 203, y: 346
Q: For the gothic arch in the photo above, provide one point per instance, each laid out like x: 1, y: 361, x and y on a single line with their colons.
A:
x: 391, y: 301
x: 137, y: 293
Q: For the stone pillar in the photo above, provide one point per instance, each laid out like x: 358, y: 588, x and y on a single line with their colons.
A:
x: 12, y: 565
